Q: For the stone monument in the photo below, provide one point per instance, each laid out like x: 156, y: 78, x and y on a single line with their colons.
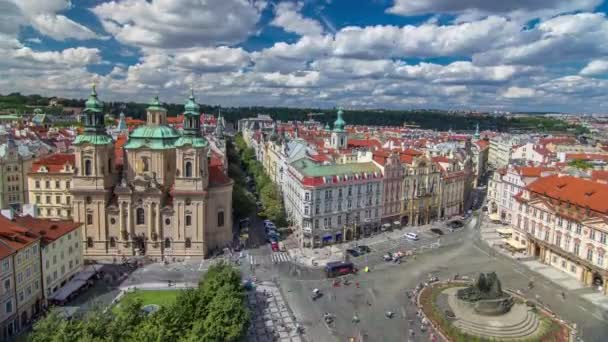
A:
x: 486, y: 295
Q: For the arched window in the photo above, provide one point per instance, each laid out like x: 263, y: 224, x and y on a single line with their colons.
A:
x: 188, y: 220
x: 188, y: 243
x: 87, y: 167
x: 90, y: 242
x: 112, y: 242
x: 220, y: 218
x: 167, y: 243
x: 188, y: 169
x: 145, y: 164
x: 89, y: 219
x: 140, y: 216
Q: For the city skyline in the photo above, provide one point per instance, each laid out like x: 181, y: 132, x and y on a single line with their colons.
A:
x: 537, y: 56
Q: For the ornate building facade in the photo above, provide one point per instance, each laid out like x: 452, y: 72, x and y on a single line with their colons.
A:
x: 166, y: 201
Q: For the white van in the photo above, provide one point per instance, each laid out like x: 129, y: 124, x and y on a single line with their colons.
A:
x: 411, y: 236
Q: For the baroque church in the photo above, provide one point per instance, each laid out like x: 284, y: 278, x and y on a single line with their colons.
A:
x: 167, y: 200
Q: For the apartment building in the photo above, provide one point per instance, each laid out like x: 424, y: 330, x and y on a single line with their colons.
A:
x: 8, y: 298
x: 14, y: 165
x: 420, y: 189
x: 26, y: 269
x: 508, y: 182
x: 61, y: 250
x: 499, y: 154
x: 393, y: 172
x: 333, y: 203
x: 49, y: 183
x: 564, y: 222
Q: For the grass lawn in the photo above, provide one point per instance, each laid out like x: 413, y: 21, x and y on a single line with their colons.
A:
x: 158, y: 297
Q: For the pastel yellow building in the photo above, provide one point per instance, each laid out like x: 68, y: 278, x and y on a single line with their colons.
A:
x: 49, y: 183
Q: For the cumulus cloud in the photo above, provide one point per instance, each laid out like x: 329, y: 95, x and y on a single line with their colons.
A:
x: 519, y: 92
x: 287, y: 17
x: 512, y: 8
x: 179, y: 23
x: 595, y: 67
x: 44, y: 17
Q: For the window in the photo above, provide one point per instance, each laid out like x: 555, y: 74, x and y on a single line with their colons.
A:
x: 167, y: 243
x: 140, y: 214
x: 89, y: 242
x: 188, y: 220
x: 188, y: 243
x: 307, y: 196
x: 577, y: 248
x: 112, y: 242
x: 47, y: 184
x: 578, y: 228
x: 67, y: 184
x: 37, y: 199
x: 37, y: 184
x: 592, y: 234
x: 590, y: 254
x: 5, y: 265
x: 89, y: 218
x: 87, y: 167
x: 21, y: 297
x: 57, y: 184
x: 600, y: 259
x: 8, y: 307
x: 188, y: 169
x: 220, y: 218
x: 58, y: 199
x: 7, y: 284
x: 48, y: 199
x: 145, y: 162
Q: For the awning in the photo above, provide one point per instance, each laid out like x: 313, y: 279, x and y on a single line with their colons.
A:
x: 66, y: 290
x: 494, y: 217
x: 338, y: 235
x: 88, y: 272
x: 327, y: 237
x: 504, y: 231
x: 386, y: 225
x: 515, y: 244
x: 397, y: 223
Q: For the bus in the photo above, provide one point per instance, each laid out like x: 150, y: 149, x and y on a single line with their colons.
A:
x: 338, y: 268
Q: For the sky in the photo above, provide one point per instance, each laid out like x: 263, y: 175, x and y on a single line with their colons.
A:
x: 532, y: 55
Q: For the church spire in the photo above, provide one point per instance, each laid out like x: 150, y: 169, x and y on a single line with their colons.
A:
x: 339, y: 123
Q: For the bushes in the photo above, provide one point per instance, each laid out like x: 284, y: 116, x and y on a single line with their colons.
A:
x: 215, y: 311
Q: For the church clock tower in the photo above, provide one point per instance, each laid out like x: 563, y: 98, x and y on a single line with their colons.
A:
x: 191, y: 183
x: 95, y: 177
x: 338, y: 136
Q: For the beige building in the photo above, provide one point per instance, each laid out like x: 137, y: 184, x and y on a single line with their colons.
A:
x: 13, y: 176
x: 49, y: 183
x: 563, y: 220
x: 421, y: 187
x: 167, y: 200
x: 61, y: 250
x: 26, y: 269
x: 8, y: 298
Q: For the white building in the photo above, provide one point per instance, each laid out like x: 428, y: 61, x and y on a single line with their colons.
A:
x: 333, y: 203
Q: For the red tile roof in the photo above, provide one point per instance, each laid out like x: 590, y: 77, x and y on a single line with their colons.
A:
x: 49, y: 230
x: 483, y: 144
x: 14, y: 235
x: 599, y: 175
x: 533, y: 171
x: 175, y: 119
x: 5, y: 250
x: 121, y: 140
x: 217, y: 176
x: 364, y: 143
x: 579, y: 191
x: 54, y: 163
x: 557, y: 141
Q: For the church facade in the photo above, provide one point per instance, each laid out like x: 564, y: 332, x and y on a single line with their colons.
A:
x: 166, y: 201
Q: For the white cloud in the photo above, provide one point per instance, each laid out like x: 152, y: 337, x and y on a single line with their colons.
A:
x: 287, y: 16
x: 512, y: 8
x: 518, y: 93
x: 426, y: 40
x: 561, y: 39
x: 595, y: 67
x: 44, y: 17
x: 179, y: 23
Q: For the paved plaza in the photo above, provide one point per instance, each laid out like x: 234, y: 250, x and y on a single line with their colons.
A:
x: 271, y: 318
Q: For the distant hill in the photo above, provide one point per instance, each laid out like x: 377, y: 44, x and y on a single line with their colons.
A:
x: 424, y: 118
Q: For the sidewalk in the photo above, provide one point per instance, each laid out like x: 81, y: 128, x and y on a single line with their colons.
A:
x: 319, y: 257
x: 559, y: 277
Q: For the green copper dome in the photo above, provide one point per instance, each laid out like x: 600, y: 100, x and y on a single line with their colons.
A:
x: 153, y: 137
x: 191, y: 107
x: 339, y: 123
x: 92, y: 104
x: 156, y: 106
x: 327, y: 128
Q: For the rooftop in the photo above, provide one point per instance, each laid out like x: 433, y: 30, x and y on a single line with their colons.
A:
x: 581, y: 192
x: 54, y: 163
x: 309, y: 168
x: 49, y: 230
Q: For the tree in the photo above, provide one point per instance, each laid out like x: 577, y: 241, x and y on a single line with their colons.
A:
x: 228, y: 317
x: 581, y: 164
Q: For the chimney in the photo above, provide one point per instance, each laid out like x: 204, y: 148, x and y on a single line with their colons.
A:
x: 8, y: 213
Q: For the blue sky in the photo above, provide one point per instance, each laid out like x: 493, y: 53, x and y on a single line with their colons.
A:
x: 546, y: 55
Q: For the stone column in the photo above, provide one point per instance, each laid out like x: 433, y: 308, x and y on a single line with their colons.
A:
x: 149, y: 222
x: 158, y: 221
x: 121, y: 220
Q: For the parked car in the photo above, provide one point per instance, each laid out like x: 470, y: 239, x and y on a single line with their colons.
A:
x: 437, y: 231
x: 388, y: 257
x: 274, y: 246
x: 353, y: 252
x: 364, y: 249
x: 411, y: 236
